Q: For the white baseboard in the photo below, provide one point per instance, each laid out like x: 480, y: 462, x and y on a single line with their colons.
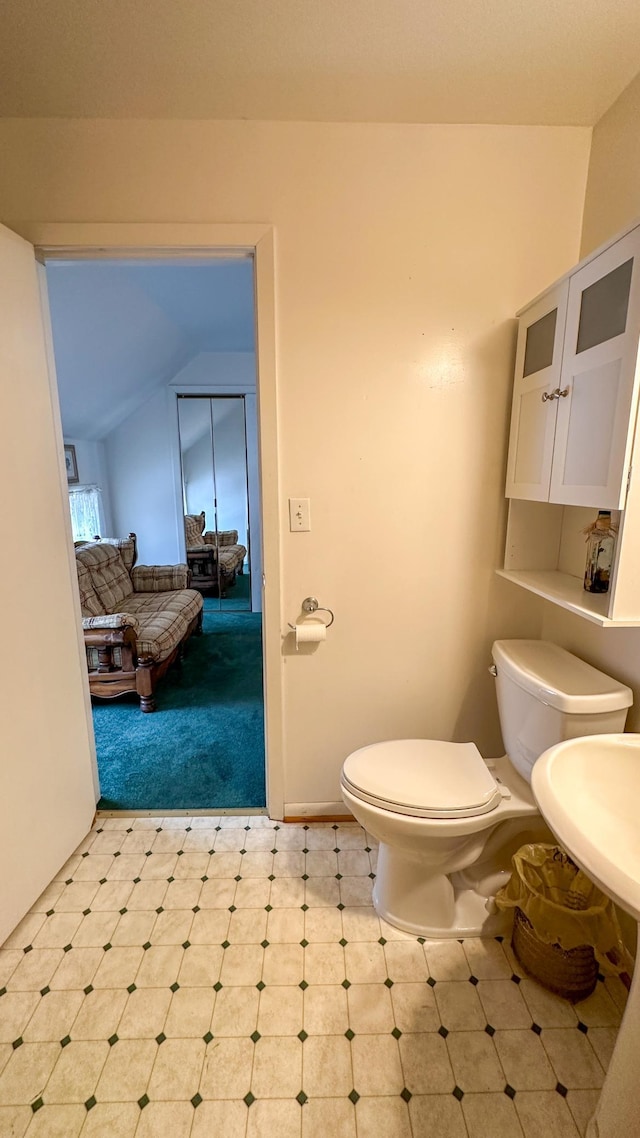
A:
x: 314, y: 809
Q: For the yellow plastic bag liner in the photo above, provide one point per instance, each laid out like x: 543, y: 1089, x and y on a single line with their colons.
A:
x: 562, y: 904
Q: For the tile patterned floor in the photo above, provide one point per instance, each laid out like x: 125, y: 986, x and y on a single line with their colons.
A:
x: 189, y: 977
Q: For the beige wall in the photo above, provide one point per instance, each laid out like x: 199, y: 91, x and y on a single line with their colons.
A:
x: 612, y: 201
x: 613, y: 186
x: 402, y: 253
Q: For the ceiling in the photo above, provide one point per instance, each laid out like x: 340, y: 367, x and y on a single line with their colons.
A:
x: 122, y: 330
x: 485, y: 61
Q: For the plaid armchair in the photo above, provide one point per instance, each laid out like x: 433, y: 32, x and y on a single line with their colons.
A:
x: 136, y: 618
x: 213, y: 558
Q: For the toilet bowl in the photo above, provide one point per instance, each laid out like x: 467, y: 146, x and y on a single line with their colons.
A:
x: 447, y: 820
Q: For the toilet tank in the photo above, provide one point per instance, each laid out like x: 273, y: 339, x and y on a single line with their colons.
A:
x: 546, y: 695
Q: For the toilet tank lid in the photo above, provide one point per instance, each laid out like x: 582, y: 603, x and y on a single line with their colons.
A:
x: 558, y: 678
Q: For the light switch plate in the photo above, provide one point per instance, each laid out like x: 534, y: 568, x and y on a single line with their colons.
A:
x: 299, y: 515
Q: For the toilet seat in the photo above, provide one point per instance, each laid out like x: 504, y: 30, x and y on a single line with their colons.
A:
x: 424, y: 778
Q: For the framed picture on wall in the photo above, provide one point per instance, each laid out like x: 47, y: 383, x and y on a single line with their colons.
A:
x: 71, y: 464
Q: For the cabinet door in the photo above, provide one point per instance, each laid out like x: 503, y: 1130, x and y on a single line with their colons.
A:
x: 533, y: 415
x: 598, y: 385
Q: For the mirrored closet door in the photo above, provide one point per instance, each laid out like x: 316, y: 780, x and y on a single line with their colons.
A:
x: 213, y: 453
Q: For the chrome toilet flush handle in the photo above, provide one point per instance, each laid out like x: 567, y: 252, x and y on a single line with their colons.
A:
x: 557, y: 394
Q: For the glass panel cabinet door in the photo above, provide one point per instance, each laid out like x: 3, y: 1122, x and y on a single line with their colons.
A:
x: 533, y: 417
x: 596, y: 403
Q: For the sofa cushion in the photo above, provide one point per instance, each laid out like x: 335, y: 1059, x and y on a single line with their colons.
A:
x: 89, y: 602
x: 193, y: 527
x: 159, y: 633
x: 183, y: 602
x: 109, y: 576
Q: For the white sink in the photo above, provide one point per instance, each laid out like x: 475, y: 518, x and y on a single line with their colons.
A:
x: 588, y: 791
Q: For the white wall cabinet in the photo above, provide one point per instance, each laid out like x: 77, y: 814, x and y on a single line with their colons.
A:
x: 572, y: 434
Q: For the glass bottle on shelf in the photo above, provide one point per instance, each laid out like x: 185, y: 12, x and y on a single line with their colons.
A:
x: 601, y: 537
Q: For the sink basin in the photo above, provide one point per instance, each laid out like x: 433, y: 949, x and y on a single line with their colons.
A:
x: 588, y: 791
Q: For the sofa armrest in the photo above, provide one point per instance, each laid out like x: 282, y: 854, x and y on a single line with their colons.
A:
x: 222, y: 537
x: 160, y: 578
x: 110, y: 621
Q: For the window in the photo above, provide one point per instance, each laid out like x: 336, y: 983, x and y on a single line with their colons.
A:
x: 84, y: 504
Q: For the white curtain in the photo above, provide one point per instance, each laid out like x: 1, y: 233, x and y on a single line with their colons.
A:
x: 84, y: 503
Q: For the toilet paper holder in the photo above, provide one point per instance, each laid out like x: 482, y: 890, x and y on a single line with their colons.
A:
x: 309, y: 605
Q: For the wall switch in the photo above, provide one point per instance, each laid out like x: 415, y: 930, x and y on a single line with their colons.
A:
x: 299, y: 515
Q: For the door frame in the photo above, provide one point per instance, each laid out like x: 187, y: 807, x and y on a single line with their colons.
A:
x: 180, y: 241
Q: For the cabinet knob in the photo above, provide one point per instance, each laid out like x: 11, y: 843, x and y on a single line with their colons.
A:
x: 561, y: 394
x: 547, y: 397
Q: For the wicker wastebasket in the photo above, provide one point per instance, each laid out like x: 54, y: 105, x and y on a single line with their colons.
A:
x: 562, y: 921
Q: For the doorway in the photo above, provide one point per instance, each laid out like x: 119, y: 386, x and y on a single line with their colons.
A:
x: 134, y: 348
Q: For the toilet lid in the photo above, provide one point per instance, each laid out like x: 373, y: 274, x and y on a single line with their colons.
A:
x: 423, y: 777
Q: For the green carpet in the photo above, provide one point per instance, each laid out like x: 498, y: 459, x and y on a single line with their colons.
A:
x: 204, y: 746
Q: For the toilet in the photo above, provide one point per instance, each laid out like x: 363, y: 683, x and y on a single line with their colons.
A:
x: 447, y: 820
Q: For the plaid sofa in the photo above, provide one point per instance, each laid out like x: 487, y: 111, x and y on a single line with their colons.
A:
x: 214, y: 558
x: 136, y: 618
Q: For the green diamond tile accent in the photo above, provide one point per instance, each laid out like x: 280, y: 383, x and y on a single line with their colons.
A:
x: 350, y: 1034
x: 237, y: 877
x: 302, y: 1035
x: 129, y: 830
x: 303, y: 984
x: 136, y: 880
x: 121, y: 911
x: 170, y: 879
x: 304, y: 943
x: 301, y: 1098
x: 17, y: 1043
x: 396, y: 1033
x: 367, y: 849
x: 87, y: 855
x: 208, y: 1037
x: 187, y: 944
x: 174, y: 987
x: 268, y: 908
x: 217, y: 987
x: 255, y: 1036
x: 305, y: 876
x: 50, y: 912
x: 246, y: 827
x: 443, y: 1032
x: 225, y: 944
x: 35, y: 1106
x: 271, y: 877
x: 473, y: 980
x: 260, y: 985
x: 131, y: 988
x: 264, y: 943
x: 582, y: 1027
x: 346, y: 983
x: 160, y: 909
x: 107, y: 947
x: 69, y: 881
x: 211, y: 852
x: 232, y: 908
x: 561, y: 1089
x: 343, y: 942
x: 112, y: 1040
x: 196, y: 908
x: 389, y: 983
x: 249, y: 1099
x: 204, y: 877
x: 188, y: 829
x: 338, y: 877
x: 273, y: 851
x: 304, y: 908
x: 340, y: 906
x: 43, y: 991
x: 29, y: 948
x: 243, y: 852
x: 144, y: 1101
x: 88, y: 989
x: 336, y: 849
x: 68, y: 947
x: 158, y: 829
x: 160, y: 1038
x: 536, y: 1028
x: 196, y: 1100
x: 508, y: 1090
x: 91, y: 1102
x: 354, y: 1096
x: 66, y: 1041
x: 405, y: 1094
x: 458, y: 1093
x: 490, y: 1030
x: 147, y: 945
x: 431, y: 982
x: 116, y: 854
x: 372, y: 876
